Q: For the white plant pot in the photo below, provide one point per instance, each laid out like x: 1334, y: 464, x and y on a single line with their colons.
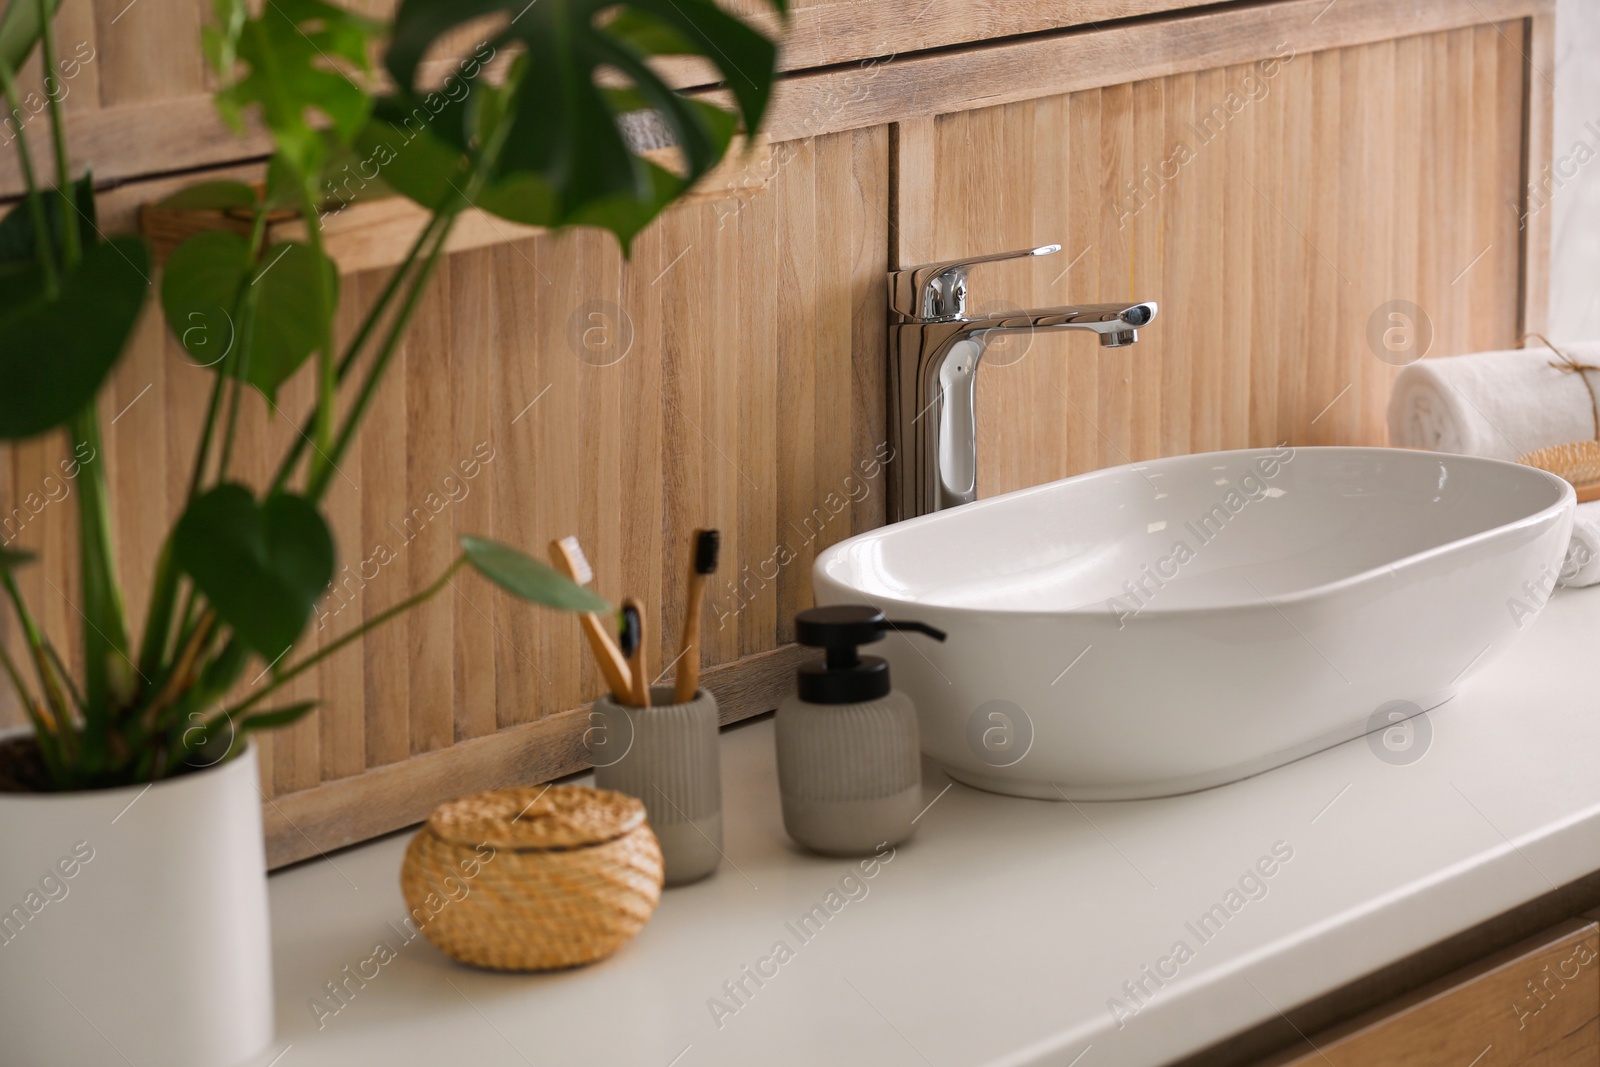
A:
x: 133, y: 924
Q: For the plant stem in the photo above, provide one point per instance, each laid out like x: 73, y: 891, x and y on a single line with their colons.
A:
x: 446, y: 213
x: 70, y: 239
x: 108, y: 685
x: 41, y: 227
x: 182, y: 676
x: 317, y: 485
x: 46, y: 731
x: 158, y: 619
x: 326, y: 380
x: 353, y: 350
x: 64, y: 676
x: 202, y: 452
x: 354, y: 635
x: 164, y: 590
x: 16, y: 679
x: 236, y: 388
x: 246, y: 307
x: 54, y: 700
x: 187, y: 617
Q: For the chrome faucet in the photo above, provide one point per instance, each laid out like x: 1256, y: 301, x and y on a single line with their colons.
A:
x: 934, y: 352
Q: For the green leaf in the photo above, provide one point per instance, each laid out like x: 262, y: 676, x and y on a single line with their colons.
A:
x: 410, y: 158
x: 351, y: 177
x: 212, y: 196
x: 11, y: 559
x: 292, y: 315
x: 625, y: 217
x: 524, y: 198
x: 218, y: 676
x: 646, y: 33
x: 54, y: 354
x: 200, y: 292
x: 220, y: 45
x: 525, y: 577
x: 17, y: 235
x: 20, y: 30
x: 563, y: 159
x: 229, y: 731
x: 262, y: 567
x: 289, y: 53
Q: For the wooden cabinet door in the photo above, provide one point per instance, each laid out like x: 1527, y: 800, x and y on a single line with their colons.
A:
x: 1534, y: 1005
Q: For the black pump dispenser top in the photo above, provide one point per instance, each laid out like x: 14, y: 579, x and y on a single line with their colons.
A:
x: 843, y: 675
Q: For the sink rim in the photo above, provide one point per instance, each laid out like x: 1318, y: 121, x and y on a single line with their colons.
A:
x: 1566, y: 498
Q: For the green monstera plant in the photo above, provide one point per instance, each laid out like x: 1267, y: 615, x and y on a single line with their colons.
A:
x: 529, y: 127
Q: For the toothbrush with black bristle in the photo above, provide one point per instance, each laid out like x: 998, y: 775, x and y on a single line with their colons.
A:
x: 631, y: 642
x: 702, y: 564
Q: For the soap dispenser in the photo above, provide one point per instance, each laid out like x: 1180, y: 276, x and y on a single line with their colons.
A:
x: 849, y: 758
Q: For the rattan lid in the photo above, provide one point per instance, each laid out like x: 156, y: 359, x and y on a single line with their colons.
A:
x: 537, y: 817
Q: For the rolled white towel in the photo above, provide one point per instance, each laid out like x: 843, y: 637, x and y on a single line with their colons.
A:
x: 1583, y: 555
x: 1497, y: 404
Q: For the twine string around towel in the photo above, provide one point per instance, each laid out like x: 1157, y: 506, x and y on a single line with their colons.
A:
x: 1568, y: 365
x: 1576, y: 461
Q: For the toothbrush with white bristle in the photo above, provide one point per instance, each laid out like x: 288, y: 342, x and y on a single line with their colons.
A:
x: 567, y: 555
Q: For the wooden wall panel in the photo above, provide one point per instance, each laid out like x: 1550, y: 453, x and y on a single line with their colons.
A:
x: 1271, y: 211
x: 139, y: 86
x: 729, y: 376
x: 860, y: 63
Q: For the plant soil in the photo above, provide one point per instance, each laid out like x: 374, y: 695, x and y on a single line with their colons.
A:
x: 22, y: 770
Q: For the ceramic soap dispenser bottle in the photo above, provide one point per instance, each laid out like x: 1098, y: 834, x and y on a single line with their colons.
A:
x: 849, y: 758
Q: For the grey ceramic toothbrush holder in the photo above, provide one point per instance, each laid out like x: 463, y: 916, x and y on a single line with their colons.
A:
x: 666, y: 755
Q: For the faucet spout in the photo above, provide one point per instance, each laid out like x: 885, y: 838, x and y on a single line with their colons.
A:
x: 1116, y: 324
x: 933, y: 366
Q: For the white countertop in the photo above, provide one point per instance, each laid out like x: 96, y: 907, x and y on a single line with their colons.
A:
x: 1001, y: 931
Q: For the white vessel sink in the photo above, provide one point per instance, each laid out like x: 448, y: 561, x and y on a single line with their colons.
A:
x: 1176, y: 624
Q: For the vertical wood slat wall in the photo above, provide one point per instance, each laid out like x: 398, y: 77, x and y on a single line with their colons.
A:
x: 727, y: 376
x: 1347, y: 179
x: 747, y: 384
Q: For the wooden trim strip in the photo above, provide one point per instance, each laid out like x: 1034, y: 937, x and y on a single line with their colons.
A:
x: 368, y: 234
x: 347, y: 811
x: 139, y: 140
x: 914, y: 206
x: 185, y: 133
x: 1539, y: 54
x: 895, y: 90
x: 823, y: 34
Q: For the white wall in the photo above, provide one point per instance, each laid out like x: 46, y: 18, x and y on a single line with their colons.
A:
x: 1575, y: 180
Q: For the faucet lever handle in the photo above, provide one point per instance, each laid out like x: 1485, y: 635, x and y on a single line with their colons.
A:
x: 935, y: 291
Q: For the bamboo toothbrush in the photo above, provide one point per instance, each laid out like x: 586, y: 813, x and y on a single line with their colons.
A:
x: 703, y: 563
x: 567, y: 555
x: 633, y: 645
